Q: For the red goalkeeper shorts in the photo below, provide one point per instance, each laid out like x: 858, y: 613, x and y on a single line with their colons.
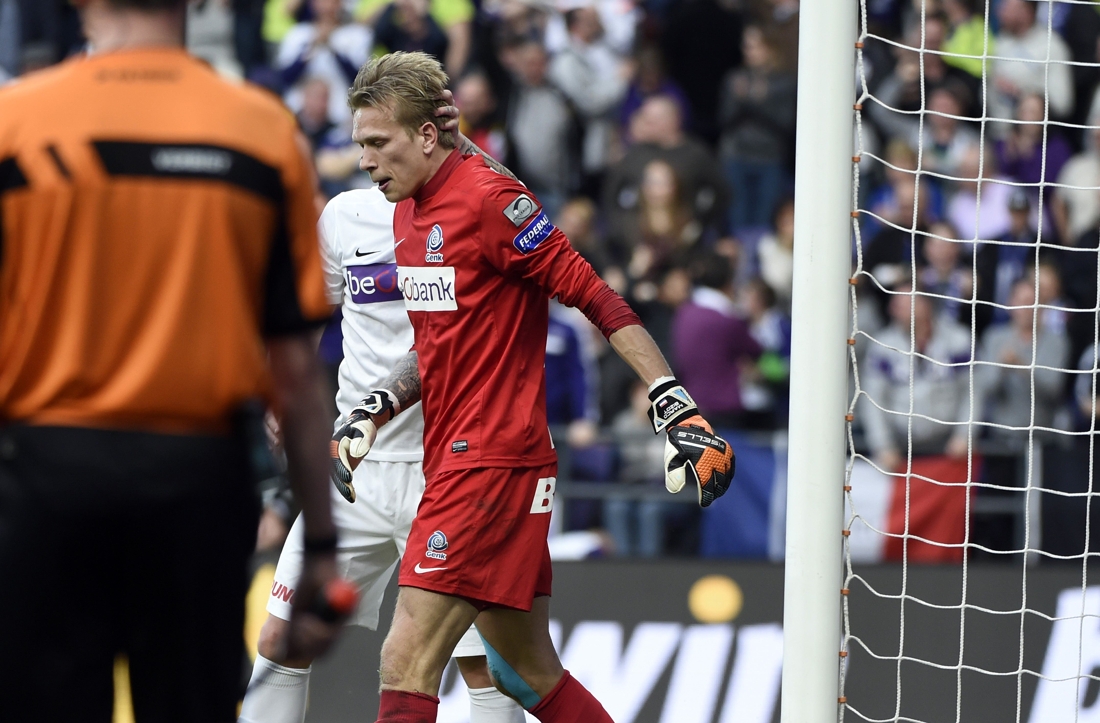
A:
x: 480, y: 534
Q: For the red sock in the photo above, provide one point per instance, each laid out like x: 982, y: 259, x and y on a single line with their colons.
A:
x: 401, y: 706
x: 570, y: 702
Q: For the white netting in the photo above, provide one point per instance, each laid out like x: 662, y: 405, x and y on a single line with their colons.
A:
x: 972, y: 417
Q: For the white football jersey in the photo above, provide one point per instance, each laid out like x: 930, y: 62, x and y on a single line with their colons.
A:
x: 356, y: 231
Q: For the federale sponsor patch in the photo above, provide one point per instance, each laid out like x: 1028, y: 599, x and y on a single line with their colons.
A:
x: 521, y: 209
x: 537, y: 231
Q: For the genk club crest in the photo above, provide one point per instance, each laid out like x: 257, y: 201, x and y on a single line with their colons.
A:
x: 437, y: 543
x: 435, y: 246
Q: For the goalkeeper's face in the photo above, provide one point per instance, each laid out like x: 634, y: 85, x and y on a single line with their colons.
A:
x: 397, y: 159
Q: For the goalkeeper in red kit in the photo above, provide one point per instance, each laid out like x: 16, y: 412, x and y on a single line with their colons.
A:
x: 478, y: 260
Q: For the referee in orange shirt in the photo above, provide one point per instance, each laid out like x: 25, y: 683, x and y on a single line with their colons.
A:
x: 158, y: 269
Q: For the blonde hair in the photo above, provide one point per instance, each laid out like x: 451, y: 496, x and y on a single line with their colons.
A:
x: 409, y: 84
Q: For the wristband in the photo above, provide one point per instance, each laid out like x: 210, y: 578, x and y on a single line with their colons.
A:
x: 376, y: 408
x: 670, y: 404
x: 319, y: 546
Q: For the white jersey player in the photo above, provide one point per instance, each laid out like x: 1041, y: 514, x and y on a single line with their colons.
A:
x: 357, y: 252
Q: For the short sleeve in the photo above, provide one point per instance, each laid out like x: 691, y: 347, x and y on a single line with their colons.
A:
x: 294, y: 290
x: 327, y: 231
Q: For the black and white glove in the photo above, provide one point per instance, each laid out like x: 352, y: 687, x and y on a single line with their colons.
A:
x: 692, y: 449
x: 353, y: 440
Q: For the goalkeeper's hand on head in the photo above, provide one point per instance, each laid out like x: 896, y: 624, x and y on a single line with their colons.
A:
x: 354, y: 438
x: 693, y: 452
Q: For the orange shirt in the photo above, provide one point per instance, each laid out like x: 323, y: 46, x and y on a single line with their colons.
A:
x: 156, y: 223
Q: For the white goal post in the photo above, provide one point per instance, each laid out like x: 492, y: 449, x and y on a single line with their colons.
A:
x: 815, y: 504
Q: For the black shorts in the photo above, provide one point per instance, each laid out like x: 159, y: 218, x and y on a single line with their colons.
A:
x: 122, y: 543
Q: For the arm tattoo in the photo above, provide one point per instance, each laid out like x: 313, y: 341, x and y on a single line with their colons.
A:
x: 404, y: 381
x: 469, y: 148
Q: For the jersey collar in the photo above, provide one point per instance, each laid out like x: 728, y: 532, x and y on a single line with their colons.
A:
x: 436, y: 182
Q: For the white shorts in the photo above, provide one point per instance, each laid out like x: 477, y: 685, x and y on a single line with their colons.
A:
x: 372, y: 534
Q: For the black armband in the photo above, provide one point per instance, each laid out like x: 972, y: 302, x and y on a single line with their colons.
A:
x: 670, y: 404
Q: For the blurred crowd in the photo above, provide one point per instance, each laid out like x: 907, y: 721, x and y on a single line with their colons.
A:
x: 980, y: 181
x: 659, y: 134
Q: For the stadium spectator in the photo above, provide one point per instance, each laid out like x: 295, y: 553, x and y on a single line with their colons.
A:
x: 406, y: 25
x: 637, y: 526
x: 541, y: 128
x: 578, y: 221
x: 1086, y: 387
x: 892, y: 202
x: 337, y: 161
x: 1076, y: 203
x: 572, y: 376
x: 593, y: 77
x: 474, y: 96
x: 915, y: 77
x: 775, y: 254
x: 967, y: 35
x: 943, y: 275
x: 701, y: 44
x: 939, y: 390
x: 313, y: 118
x: 414, y: 26
x: 210, y: 36
x: 618, y: 19
x: 658, y: 134
x: 1001, y: 265
x: 1032, y: 153
x: 779, y: 19
x: 765, y: 385
x: 714, y: 380
x: 945, y: 141
x: 1019, y: 384
x: 327, y: 47
x: 891, y: 253
x: 280, y: 16
x: 650, y: 79
x: 248, y: 38
x: 48, y: 32
x: 1020, y: 40
x: 988, y: 217
x: 661, y: 230
x: 757, y: 119
x: 1082, y: 36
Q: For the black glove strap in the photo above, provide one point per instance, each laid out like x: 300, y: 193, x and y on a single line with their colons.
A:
x: 380, y: 402
x: 670, y: 404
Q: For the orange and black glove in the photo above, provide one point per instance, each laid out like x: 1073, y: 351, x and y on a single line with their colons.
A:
x: 692, y: 449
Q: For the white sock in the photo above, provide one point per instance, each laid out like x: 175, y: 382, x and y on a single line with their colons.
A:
x: 276, y: 694
x: 489, y: 705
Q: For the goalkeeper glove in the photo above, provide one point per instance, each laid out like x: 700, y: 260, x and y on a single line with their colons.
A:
x: 692, y: 449
x: 354, y: 438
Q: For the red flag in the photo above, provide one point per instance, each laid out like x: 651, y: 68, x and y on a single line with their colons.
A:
x: 937, y: 512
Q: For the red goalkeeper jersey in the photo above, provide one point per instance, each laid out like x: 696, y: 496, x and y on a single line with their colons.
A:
x: 478, y: 260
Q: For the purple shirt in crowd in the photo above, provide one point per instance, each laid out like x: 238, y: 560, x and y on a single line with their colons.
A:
x: 709, y: 341
x: 1029, y: 169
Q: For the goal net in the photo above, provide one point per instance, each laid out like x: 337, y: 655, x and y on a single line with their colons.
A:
x: 973, y: 358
